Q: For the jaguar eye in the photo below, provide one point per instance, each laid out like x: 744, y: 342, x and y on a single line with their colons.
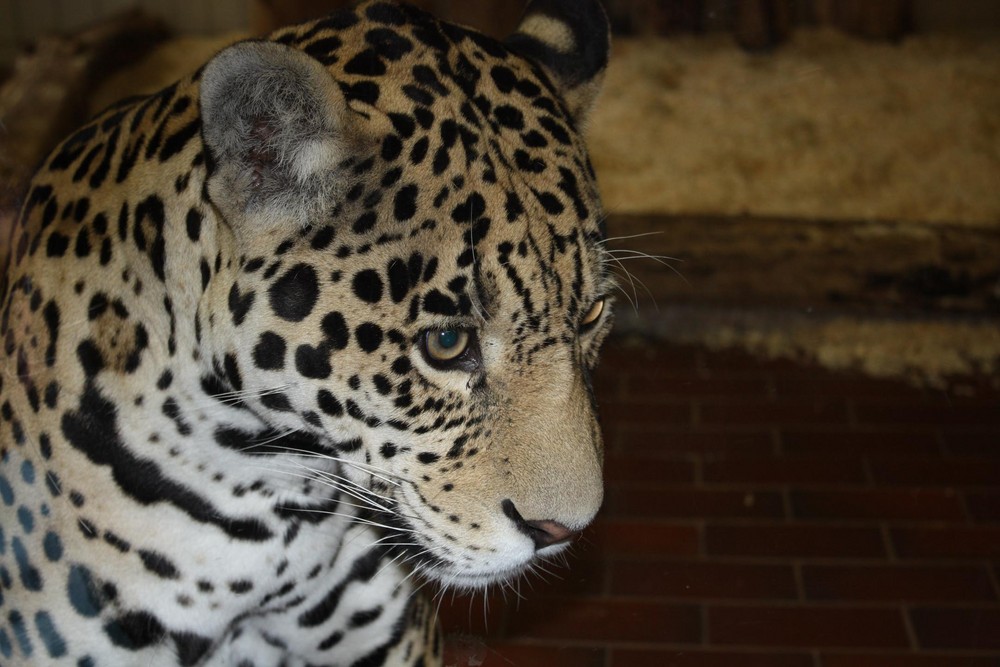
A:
x: 593, y: 314
x: 444, y: 345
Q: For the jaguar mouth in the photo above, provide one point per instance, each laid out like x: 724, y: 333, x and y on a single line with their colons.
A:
x: 464, y: 568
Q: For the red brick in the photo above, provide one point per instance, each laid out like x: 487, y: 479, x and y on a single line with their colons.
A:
x: 935, y: 471
x: 675, y: 441
x: 957, y: 628
x: 904, y: 583
x: 691, y: 385
x: 880, y: 504
x: 811, y: 383
x: 470, y: 615
x: 645, y: 412
x: 699, y: 658
x: 795, y: 471
x: 589, y: 620
x: 984, y: 506
x: 905, y: 660
x: 946, y: 542
x: 698, y: 579
x: 626, y: 537
x: 773, y: 413
x: 979, y: 443
x: 618, y: 468
x: 896, y: 412
x: 584, y: 574
x: 631, y: 358
x: 463, y: 651
x: 806, y: 626
x: 794, y: 540
x: 846, y: 442
x: 728, y: 361
x: 690, y: 502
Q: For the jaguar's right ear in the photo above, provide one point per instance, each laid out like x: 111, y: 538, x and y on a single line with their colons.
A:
x: 275, y: 125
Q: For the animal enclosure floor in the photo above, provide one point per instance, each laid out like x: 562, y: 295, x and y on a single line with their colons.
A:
x: 767, y: 514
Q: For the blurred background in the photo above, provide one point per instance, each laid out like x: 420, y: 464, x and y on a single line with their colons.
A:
x: 802, y: 401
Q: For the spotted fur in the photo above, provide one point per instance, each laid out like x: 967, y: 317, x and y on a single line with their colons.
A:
x: 302, y: 329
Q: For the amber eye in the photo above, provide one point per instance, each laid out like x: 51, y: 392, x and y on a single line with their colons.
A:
x: 444, y: 345
x: 593, y: 314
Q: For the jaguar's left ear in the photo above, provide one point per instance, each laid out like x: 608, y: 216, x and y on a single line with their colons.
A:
x: 276, y: 126
x: 571, y: 40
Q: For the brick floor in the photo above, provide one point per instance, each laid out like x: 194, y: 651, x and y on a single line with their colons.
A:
x: 767, y: 514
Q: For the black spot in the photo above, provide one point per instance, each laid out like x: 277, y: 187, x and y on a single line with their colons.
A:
x: 369, y: 336
x: 550, y: 203
x: 441, y: 161
x: 329, y: 404
x: 525, y: 162
x: 90, y: 358
x: 241, y: 586
x: 557, y: 131
x: 534, y: 139
x: 509, y: 116
x: 191, y: 648
x: 418, y: 95
x: 368, y: 286
x: 428, y: 457
x: 388, y: 450
x: 117, y: 542
x: 276, y: 401
x: 424, y: 116
x: 513, y: 206
x: 382, y: 384
x: 364, y: 222
x: 159, y: 564
x: 294, y: 294
x: 403, y: 124
x: 312, y: 362
x: 386, y: 13
x: 366, y: 92
x: 399, y: 280
x: 359, y: 619
x: 405, y: 203
x: 504, y: 78
x: 388, y: 43
x: 419, y: 151
x: 269, y: 353
x: 366, y: 63
x: 173, y: 412
x: 323, y: 238
x: 135, y: 630
x: 240, y: 303
x: 391, y: 177
x: 194, y: 219
x: 335, y: 329
x: 471, y: 209
x: 175, y: 142
x: 166, y: 379
x: 57, y: 244
x: 82, y: 248
x: 323, y: 47
x: 232, y: 369
x: 437, y: 303
x: 391, y: 148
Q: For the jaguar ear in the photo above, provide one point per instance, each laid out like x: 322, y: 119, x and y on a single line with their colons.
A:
x: 571, y: 40
x: 274, y: 122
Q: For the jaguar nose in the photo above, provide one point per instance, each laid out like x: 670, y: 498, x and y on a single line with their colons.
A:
x: 544, y: 533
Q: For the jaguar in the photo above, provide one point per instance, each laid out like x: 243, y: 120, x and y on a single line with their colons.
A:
x: 302, y: 332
